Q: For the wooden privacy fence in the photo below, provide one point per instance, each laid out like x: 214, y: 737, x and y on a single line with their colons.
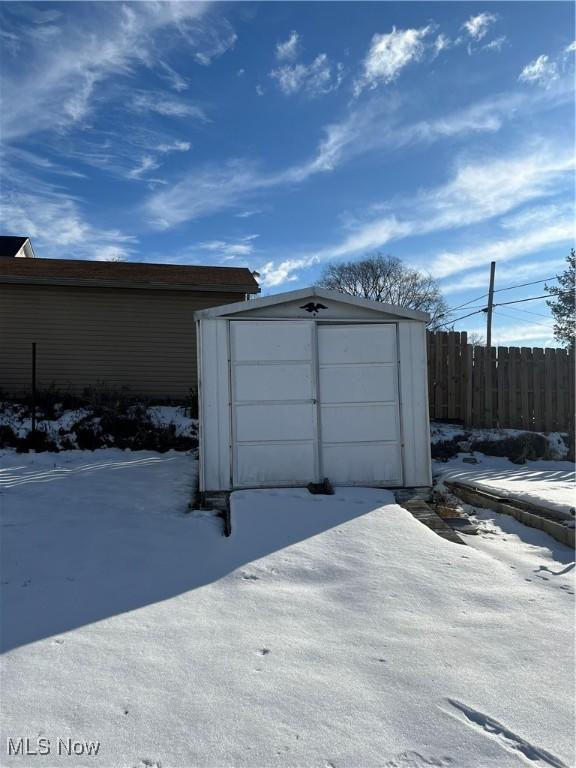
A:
x: 517, y: 387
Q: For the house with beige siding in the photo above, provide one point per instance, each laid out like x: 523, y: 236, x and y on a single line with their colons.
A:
x: 109, y: 324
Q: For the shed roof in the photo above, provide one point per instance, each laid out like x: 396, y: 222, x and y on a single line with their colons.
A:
x: 239, y: 307
x: 127, y: 274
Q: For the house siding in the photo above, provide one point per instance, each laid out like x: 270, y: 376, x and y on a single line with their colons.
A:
x: 90, y: 337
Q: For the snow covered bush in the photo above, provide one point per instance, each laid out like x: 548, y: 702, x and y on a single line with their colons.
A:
x: 98, y: 419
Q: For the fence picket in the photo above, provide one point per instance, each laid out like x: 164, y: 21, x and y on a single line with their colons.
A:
x: 531, y: 389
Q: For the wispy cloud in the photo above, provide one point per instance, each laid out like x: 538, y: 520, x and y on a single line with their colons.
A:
x: 167, y: 106
x: 372, y: 126
x: 522, y: 331
x: 506, y: 275
x: 477, y: 26
x: 147, y: 163
x: 175, y: 80
x: 389, y: 54
x: 504, y: 249
x: 208, y: 38
x: 541, y: 71
x: 318, y: 78
x: 174, y: 146
x: 56, y: 86
x: 289, y: 49
x: 496, y: 44
x: 229, y: 249
x: 478, y: 192
x: 248, y: 213
x: 59, y: 228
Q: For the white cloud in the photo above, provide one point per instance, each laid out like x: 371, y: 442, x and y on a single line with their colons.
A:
x: 175, y: 146
x: 147, y: 163
x: 372, y: 126
x: 208, y: 39
x: 259, y: 90
x: 571, y: 48
x: 513, y: 274
x: 541, y: 71
x: 168, y: 106
x: 389, y: 54
x: 248, y: 213
x: 289, y: 49
x: 441, y: 43
x: 176, y: 81
x: 504, y: 249
x: 477, y: 26
x: 272, y: 275
x: 58, y: 84
x: 540, y: 215
x: 522, y: 331
x: 495, y: 45
x: 228, y: 249
x: 315, y: 79
x: 59, y: 229
x: 478, y: 192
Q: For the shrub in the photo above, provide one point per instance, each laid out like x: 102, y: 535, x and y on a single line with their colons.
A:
x: 88, y: 437
x: 8, y: 438
x: 446, y: 449
x: 518, y: 448
x: 38, y: 441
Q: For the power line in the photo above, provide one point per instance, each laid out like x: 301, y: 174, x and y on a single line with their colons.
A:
x: 457, y: 320
x: 527, y: 312
x: 524, y: 320
x: 522, y: 285
x: 453, y: 309
x: 532, y: 298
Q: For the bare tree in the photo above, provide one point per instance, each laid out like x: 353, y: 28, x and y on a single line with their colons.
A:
x: 387, y: 279
x: 476, y: 339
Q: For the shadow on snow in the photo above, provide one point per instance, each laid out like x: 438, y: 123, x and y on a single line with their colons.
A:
x: 67, y: 561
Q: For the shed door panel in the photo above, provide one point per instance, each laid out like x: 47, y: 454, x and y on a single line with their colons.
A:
x: 274, y: 420
x: 359, y: 409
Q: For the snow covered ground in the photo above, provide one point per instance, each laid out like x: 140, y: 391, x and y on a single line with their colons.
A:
x: 549, y: 484
x: 327, y: 632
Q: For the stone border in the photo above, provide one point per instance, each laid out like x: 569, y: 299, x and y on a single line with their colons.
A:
x: 523, y: 513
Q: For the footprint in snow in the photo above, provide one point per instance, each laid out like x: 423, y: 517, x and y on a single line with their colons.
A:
x: 147, y: 763
x: 249, y: 577
x: 263, y: 651
x: 507, y: 739
x: 59, y: 641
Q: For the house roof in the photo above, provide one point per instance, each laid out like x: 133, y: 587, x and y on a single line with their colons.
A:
x: 9, y: 246
x: 239, y: 307
x: 126, y: 274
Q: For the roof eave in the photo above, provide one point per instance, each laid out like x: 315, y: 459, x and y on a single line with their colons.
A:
x: 238, y: 307
x: 90, y: 283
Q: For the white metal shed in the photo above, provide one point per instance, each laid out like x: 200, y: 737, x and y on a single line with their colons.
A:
x: 309, y: 384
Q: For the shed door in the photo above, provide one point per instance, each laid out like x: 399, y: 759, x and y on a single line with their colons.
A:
x: 312, y: 401
x: 360, y: 440
x: 274, y: 418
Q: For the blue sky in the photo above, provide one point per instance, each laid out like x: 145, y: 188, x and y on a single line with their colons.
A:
x: 281, y: 136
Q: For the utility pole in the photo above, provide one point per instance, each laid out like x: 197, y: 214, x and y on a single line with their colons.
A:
x: 488, y: 403
x: 490, y: 306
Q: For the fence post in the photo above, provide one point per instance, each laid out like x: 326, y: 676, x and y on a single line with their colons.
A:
x: 33, y: 387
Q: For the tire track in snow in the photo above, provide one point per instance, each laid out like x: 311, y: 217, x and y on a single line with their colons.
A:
x: 507, y: 738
